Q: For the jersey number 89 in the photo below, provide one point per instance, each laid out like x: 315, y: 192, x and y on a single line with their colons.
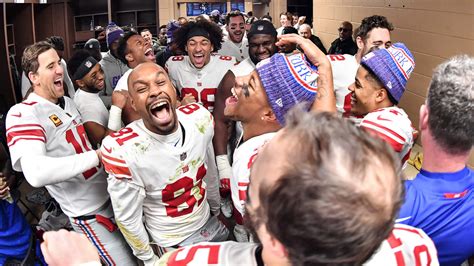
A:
x: 206, y: 96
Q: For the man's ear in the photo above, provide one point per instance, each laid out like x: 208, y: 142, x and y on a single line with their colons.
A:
x: 360, y: 43
x: 424, y: 115
x: 34, y: 78
x: 269, y: 115
x: 80, y: 83
x: 129, y: 57
x: 132, y: 103
x: 277, y: 249
x: 381, y: 95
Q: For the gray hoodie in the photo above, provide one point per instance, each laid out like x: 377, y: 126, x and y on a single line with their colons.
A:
x: 113, y: 69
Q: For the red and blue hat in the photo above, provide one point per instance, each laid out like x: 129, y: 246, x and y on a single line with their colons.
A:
x: 392, y: 66
x: 288, y: 80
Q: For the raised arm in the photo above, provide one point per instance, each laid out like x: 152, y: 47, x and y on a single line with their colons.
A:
x: 325, y: 98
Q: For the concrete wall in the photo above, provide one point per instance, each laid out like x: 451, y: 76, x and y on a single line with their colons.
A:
x: 433, y: 30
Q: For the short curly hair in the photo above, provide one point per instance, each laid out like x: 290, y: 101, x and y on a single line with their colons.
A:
x: 215, y: 34
x: 369, y: 23
x: 451, y: 104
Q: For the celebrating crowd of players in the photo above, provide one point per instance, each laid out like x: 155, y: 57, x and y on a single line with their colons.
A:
x: 168, y: 150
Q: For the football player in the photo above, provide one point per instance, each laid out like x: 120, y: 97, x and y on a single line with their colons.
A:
x: 373, y: 31
x: 235, y: 43
x: 262, y: 38
x: 49, y: 144
x: 132, y: 50
x: 158, y: 179
x: 197, y: 75
x: 88, y: 75
x: 379, y: 85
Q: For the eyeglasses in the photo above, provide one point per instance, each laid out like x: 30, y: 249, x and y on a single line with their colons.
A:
x: 343, y: 30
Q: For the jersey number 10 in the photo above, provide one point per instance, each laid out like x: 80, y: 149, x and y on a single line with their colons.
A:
x: 80, y: 147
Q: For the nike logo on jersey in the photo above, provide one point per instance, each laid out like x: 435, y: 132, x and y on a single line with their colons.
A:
x: 109, y: 150
x: 402, y: 219
x: 17, y: 115
x: 383, y: 119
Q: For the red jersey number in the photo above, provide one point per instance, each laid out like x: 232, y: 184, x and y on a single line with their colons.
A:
x: 418, y: 251
x: 123, y: 135
x: 189, y: 108
x: 337, y: 57
x: 177, y: 58
x: 225, y: 57
x: 212, y: 258
x: 80, y: 147
x: 181, y: 196
x: 206, y: 96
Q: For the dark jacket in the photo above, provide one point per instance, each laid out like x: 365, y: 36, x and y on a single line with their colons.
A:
x: 347, y: 46
x: 319, y: 44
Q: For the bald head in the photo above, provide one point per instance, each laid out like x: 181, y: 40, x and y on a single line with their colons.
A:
x: 349, y: 180
x: 137, y: 74
x: 345, y: 30
x: 347, y: 24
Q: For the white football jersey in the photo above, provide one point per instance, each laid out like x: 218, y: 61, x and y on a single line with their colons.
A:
x: 406, y: 245
x: 201, y: 83
x: 393, y: 126
x: 344, y: 69
x: 167, y: 179
x: 238, y: 50
x: 63, y: 134
x: 244, y: 156
x: 91, y: 107
x: 122, y: 83
x: 208, y: 253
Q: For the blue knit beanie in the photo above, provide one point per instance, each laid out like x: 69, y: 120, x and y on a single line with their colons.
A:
x: 392, y: 66
x: 288, y: 80
x: 112, y: 33
x: 170, y: 28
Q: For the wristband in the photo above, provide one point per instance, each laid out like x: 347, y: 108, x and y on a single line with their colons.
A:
x: 115, y: 118
x: 222, y: 162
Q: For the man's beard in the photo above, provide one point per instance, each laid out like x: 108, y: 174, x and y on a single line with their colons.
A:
x: 91, y: 88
